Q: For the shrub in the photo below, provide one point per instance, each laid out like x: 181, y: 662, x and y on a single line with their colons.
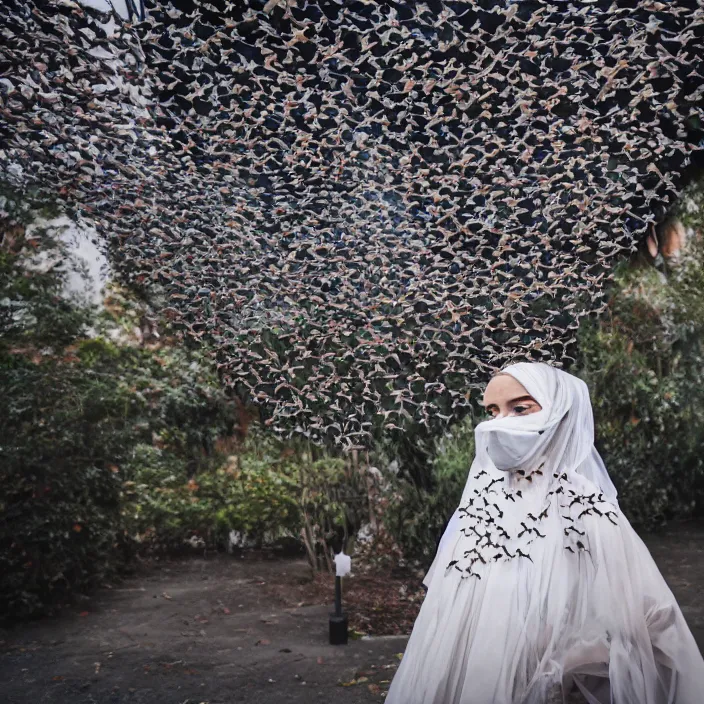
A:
x: 265, y: 491
x: 72, y: 409
x: 416, y: 516
x: 643, y: 365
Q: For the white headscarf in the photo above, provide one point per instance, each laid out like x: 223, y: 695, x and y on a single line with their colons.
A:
x: 565, y: 424
x: 530, y: 473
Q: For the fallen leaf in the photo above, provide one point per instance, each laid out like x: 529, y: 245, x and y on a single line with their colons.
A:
x: 263, y: 641
x: 166, y: 596
x: 226, y: 611
x: 84, y: 613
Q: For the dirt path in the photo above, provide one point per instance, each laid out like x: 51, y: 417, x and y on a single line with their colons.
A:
x: 197, y: 630
x: 192, y: 631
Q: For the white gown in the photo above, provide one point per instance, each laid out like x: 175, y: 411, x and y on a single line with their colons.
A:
x: 607, y: 621
x: 540, y: 582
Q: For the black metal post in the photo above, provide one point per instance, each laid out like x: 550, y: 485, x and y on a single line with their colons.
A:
x: 338, y: 620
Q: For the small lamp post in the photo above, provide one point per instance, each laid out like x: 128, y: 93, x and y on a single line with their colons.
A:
x: 338, y: 619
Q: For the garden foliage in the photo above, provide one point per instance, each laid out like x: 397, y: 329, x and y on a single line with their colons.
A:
x: 115, y: 440
x: 643, y: 362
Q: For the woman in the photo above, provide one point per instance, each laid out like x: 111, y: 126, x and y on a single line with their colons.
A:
x: 541, y: 591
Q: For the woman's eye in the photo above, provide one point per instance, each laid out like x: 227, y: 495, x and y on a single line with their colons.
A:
x: 518, y: 410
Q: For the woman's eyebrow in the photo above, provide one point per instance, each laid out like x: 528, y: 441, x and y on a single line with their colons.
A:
x: 523, y: 398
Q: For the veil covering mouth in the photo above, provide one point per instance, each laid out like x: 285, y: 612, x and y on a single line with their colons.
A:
x: 540, y: 581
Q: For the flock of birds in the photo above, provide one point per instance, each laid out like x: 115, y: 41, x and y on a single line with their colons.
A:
x: 364, y: 207
x: 497, y: 525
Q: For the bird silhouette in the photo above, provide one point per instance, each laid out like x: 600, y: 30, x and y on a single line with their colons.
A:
x: 520, y: 553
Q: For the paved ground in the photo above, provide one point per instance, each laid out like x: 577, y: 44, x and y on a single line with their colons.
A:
x: 189, y: 632
x: 207, y: 631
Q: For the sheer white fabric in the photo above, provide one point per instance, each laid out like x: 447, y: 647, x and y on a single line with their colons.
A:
x: 540, y: 582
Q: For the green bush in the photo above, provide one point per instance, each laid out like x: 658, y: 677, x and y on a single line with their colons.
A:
x: 71, y: 411
x: 643, y: 362
x: 164, y: 505
x: 265, y: 492
x: 416, y: 516
x: 648, y: 403
x: 59, y: 438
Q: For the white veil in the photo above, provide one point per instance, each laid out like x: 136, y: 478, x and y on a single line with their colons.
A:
x: 566, y: 454
x: 540, y: 582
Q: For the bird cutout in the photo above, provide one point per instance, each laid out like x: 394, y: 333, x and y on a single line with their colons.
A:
x: 318, y: 194
x: 579, y: 507
x: 520, y: 553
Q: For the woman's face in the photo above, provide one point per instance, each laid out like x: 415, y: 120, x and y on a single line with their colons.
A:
x: 504, y: 396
